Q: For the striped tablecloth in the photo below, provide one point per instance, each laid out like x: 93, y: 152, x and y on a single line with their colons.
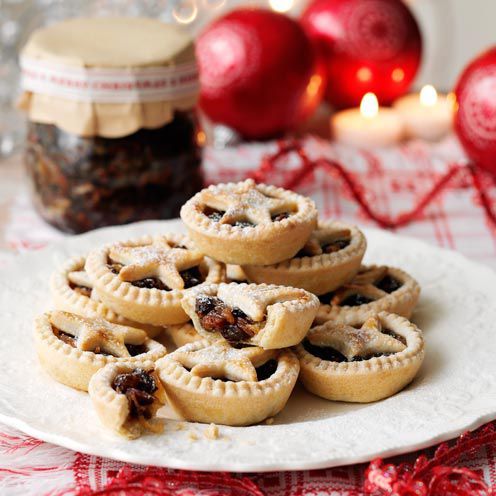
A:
x: 393, y: 179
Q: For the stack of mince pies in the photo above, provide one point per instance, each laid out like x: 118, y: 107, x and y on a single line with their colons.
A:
x: 259, y: 294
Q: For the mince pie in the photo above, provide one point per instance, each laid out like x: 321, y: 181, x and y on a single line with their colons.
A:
x: 217, y: 383
x: 72, y: 291
x: 374, y: 289
x: 72, y: 348
x: 329, y: 259
x: 182, y: 334
x: 126, y: 397
x: 361, y: 360
x: 247, y: 223
x: 256, y: 314
x: 145, y: 279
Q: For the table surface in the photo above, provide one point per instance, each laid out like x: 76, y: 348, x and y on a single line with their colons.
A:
x: 393, y: 180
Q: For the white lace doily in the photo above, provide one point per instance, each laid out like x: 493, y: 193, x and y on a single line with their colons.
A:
x: 455, y: 389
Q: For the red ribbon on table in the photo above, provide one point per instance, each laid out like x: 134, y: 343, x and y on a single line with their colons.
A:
x: 356, y: 190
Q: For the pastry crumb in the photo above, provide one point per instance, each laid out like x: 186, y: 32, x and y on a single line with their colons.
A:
x: 211, y: 432
x: 180, y: 426
x: 192, y: 436
x: 269, y: 421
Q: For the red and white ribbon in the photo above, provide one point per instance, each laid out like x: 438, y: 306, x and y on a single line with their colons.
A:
x: 110, y: 85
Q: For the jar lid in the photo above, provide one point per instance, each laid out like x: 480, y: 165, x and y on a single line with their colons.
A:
x: 111, y: 42
x: 108, y: 76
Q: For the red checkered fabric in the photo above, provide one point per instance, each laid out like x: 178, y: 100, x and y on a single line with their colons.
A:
x: 392, y: 179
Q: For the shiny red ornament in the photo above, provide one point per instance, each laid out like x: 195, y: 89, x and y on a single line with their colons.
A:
x: 369, y: 45
x: 258, y: 73
x: 475, y: 119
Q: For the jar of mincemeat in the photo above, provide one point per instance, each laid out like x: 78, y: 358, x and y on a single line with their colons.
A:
x: 112, y: 132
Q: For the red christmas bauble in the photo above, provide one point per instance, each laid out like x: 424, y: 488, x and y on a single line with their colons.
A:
x: 369, y: 45
x: 475, y: 119
x: 258, y: 72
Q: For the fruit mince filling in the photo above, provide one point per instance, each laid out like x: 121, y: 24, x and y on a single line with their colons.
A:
x: 82, y: 290
x: 232, y: 323
x: 138, y: 386
x: 335, y: 245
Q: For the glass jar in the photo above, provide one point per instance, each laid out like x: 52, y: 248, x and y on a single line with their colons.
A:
x: 83, y: 183
x: 112, y: 131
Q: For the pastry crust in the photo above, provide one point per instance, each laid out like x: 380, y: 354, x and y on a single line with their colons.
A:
x: 74, y: 367
x: 112, y: 407
x: 205, y: 399
x: 321, y: 273
x: 265, y: 243
x: 183, y: 334
x: 401, y: 301
x: 67, y: 299
x: 148, y: 306
x: 284, y: 314
x: 367, y: 380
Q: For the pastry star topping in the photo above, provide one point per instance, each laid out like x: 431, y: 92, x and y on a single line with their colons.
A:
x: 322, y: 237
x: 80, y: 278
x: 352, y: 342
x: 364, y: 284
x: 219, y: 360
x: 248, y: 204
x: 97, y: 334
x: 158, y: 260
x: 253, y: 301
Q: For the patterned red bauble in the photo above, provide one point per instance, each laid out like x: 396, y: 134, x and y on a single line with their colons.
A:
x: 258, y: 73
x: 475, y: 119
x: 369, y: 45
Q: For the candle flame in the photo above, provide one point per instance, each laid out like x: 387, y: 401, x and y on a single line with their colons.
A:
x: 281, y: 5
x: 428, y: 96
x: 369, y: 107
x: 452, y: 101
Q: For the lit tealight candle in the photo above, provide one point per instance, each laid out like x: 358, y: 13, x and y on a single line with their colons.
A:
x: 369, y: 126
x: 427, y: 115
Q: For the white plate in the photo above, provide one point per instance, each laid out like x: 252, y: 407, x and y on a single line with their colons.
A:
x: 454, y: 391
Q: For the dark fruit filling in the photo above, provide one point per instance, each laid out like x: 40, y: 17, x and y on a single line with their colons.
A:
x: 326, y: 298
x: 266, y: 370
x: 192, y: 277
x: 138, y: 386
x: 399, y: 338
x: 281, y: 216
x: 213, y: 214
x: 232, y: 323
x: 150, y: 283
x: 335, y: 246
x: 331, y: 247
x: 82, y: 290
x: 388, y: 284
x: 243, y: 223
x: 355, y: 300
x: 136, y: 349
x: 64, y: 337
x: 115, y: 268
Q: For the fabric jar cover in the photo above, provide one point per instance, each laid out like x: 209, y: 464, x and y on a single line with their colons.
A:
x: 108, y: 77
